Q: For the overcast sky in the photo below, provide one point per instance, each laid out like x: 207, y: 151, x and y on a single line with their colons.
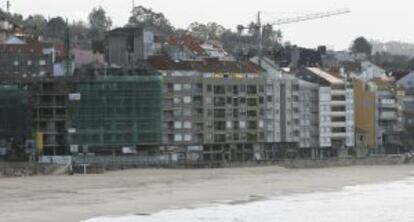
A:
x: 376, y: 19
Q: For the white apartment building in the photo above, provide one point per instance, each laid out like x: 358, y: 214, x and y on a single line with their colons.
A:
x: 336, y: 110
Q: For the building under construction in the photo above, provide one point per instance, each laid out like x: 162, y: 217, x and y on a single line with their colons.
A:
x: 115, y: 111
x: 15, y: 118
x: 49, y: 98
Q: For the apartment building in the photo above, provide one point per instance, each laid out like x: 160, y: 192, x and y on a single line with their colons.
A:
x: 291, y: 113
x: 336, y: 112
x: 378, y: 111
x: 128, y: 46
x: 213, y: 110
x: 309, y: 119
x: 115, y: 111
x: 27, y: 59
x: 49, y: 100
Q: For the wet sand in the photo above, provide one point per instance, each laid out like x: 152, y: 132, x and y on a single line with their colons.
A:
x: 80, y: 197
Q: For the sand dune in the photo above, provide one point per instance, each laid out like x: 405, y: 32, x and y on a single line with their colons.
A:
x: 75, y: 198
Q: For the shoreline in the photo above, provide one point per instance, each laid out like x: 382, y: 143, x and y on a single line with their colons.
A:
x: 81, y: 197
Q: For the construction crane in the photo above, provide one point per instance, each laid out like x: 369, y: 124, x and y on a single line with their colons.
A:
x: 258, y: 27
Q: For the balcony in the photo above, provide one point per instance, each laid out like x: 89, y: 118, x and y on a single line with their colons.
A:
x: 338, y: 103
x: 338, y: 124
x: 388, y: 105
x: 338, y: 92
x: 338, y: 135
x: 388, y: 116
x: 338, y: 114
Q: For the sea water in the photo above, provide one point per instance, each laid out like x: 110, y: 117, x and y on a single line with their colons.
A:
x: 387, y: 202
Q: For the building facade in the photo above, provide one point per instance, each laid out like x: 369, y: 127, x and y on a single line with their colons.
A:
x: 119, y: 111
x: 336, y: 111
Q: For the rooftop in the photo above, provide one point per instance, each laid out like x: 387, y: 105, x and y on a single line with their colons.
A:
x: 334, y: 79
x: 207, y: 66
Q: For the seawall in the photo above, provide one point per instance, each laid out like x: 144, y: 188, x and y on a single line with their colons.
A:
x: 21, y: 169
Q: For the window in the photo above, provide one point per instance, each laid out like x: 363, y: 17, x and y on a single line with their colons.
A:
x: 219, y: 101
x: 209, y: 100
x: 29, y: 62
x: 178, y: 138
x: 261, y: 124
x: 219, y: 90
x: 187, y: 86
x: 42, y: 62
x: 229, y: 124
x: 209, y: 88
x: 220, y: 138
x: 235, y: 89
x: 242, y: 88
x: 187, y: 99
x: 178, y: 125
x: 177, y: 100
x: 187, y: 138
x: 261, y: 100
x: 235, y: 102
x: 269, y: 99
x: 219, y: 125
x: 236, y: 125
x: 243, y: 124
x: 236, y: 113
x: 187, y: 112
x: 187, y: 125
x: 177, y: 87
x: 251, y: 89
x: 261, y: 88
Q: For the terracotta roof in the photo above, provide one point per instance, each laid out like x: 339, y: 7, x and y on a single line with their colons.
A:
x: 332, y: 78
x: 382, y: 82
x: 188, y: 42
x: 207, y: 66
x: 22, y: 48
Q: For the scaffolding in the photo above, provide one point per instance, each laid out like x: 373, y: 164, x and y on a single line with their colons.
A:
x: 114, y: 112
x: 15, y: 116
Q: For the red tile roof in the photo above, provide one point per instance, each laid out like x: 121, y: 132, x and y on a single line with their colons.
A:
x: 22, y: 48
x: 207, y: 66
x: 189, y: 43
x: 382, y: 82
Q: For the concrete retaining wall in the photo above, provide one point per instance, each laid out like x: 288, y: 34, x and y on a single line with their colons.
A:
x: 20, y: 169
x: 340, y: 162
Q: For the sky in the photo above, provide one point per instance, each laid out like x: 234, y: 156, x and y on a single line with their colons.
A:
x: 382, y: 20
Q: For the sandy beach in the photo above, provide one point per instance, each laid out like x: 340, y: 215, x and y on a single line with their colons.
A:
x: 80, y: 197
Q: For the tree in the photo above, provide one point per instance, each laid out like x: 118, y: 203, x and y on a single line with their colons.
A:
x: 99, y: 23
x: 79, y: 33
x: 206, y: 32
x: 361, y: 45
x: 56, y: 28
x: 35, y: 24
x: 144, y: 17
